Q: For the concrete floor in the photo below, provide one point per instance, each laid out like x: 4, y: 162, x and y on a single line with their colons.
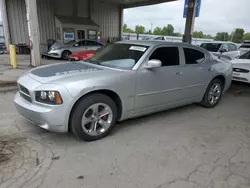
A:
x: 189, y: 147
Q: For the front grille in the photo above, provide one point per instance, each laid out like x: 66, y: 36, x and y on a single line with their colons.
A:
x: 24, y: 93
x: 27, y: 98
x: 240, y: 70
x: 24, y: 89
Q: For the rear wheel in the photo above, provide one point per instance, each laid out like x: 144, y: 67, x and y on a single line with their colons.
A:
x: 94, y: 117
x: 66, y: 54
x: 213, y: 94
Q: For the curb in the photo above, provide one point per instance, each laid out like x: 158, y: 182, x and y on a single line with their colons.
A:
x: 7, y: 86
x: 8, y: 89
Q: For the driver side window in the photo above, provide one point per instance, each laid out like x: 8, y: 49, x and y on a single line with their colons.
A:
x: 225, y: 47
x: 169, y: 56
x: 78, y: 44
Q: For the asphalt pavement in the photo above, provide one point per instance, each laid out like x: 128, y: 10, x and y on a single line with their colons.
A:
x: 188, y: 147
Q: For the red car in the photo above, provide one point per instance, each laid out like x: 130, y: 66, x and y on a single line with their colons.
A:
x: 82, y: 56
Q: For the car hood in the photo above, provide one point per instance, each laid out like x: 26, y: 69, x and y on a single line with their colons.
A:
x: 236, y: 61
x: 69, y: 72
x: 242, y: 65
x: 59, y: 45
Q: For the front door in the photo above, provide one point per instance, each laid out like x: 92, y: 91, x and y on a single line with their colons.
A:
x: 160, y: 87
x: 79, y: 46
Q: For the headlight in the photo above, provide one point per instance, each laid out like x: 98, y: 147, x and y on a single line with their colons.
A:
x: 48, y: 97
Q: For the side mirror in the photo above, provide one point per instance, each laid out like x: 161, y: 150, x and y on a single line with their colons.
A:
x: 154, y: 63
x: 223, y: 50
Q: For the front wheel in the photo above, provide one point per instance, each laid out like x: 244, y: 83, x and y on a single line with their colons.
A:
x: 213, y: 94
x: 94, y: 117
x: 66, y: 54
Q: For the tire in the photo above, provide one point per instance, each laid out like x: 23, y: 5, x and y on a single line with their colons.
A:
x: 66, y: 54
x: 85, y: 110
x: 207, y: 101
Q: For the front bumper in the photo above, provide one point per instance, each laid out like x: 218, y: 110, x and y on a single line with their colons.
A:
x: 53, y: 54
x: 241, y: 77
x: 47, y: 117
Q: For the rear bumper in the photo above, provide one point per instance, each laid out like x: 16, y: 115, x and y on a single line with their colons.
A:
x: 47, y: 117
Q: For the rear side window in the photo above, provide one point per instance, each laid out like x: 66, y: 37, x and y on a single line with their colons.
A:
x: 193, y: 56
x: 169, y: 56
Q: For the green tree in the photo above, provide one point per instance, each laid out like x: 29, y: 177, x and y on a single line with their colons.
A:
x: 126, y: 29
x: 149, y: 32
x: 157, y: 31
x: 246, y: 36
x: 140, y: 29
x: 208, y: 36
x: 198, y: 34
x: 177, y: 34
x: 222, y: 36
x: 238, y: 35
x: 169, y: 30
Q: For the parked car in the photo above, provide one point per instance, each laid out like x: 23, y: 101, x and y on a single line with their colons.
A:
x: 123, y: 80
x: 245, y: 47
x: 241, y: 68
x: 63, y: 51
x: 82, y: 56
x: 225, y: 48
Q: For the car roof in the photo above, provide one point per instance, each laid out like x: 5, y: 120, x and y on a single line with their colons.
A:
x: 155, y: 43
x: 218, y: 42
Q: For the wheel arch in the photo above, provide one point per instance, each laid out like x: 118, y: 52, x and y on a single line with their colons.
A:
x: 221, y: 78
x: 113, y: 95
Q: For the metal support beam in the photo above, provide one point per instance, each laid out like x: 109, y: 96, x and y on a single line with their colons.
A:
x: 191, y: 11
x: 121, y: 22
x: 34, y: 34
x: 5, y: 24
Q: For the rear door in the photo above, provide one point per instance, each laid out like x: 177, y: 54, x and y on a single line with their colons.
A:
x: 196, y: 72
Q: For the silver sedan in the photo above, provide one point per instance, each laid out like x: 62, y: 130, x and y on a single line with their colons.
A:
x: 124, y: 80
x: 63, y: 51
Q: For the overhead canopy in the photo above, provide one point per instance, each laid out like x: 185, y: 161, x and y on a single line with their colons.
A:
x: 137, y: 3
x: 76, y: 20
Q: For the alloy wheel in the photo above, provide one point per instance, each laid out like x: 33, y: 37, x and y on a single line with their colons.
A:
x: 97, y: 119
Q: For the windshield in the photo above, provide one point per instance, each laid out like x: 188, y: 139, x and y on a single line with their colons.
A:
x: 245, y: 55
x: 212, y: 47
x: 70, y: 42
x: 122, y: 56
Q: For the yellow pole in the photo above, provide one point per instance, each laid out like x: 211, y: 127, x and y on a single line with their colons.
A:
x: 13, y: 59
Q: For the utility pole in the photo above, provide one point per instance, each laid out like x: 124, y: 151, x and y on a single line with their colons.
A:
x: 151, y: 27
x: 191, y: 11
x: 34, y: 34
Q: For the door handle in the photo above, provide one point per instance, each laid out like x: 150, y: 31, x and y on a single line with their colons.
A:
x: 179, y: 73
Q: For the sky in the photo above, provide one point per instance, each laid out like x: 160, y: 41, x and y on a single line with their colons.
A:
x: 215, y: 16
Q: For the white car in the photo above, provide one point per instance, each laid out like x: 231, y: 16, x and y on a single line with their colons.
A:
x: 241, y: 68
x: 222, y: 48
x: 244, y: 47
